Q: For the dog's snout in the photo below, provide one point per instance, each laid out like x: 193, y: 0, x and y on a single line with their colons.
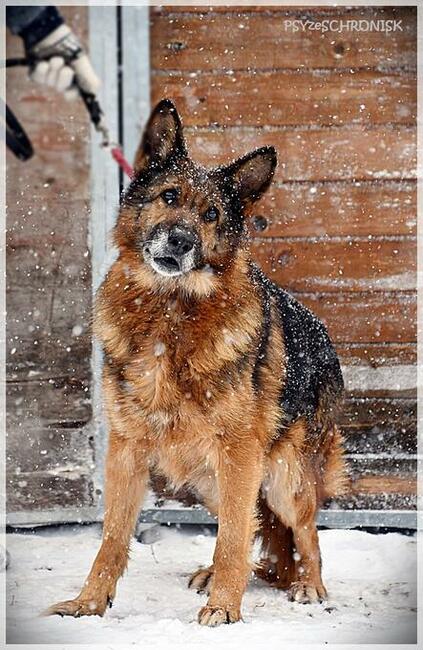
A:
x: 171, y: 249
x: 180, y: 241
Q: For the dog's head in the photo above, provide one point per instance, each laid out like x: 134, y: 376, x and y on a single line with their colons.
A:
x: 185, y: 223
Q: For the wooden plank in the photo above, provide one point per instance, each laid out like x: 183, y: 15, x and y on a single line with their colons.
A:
x: 46, y: 262
x: 392, y: 387
x: 370, y: 317
x: 386, y: 485
x: 286, y: 98
x: 335, y: 209
x: 379, y: 426
x: 385, y: 439
x: 336, y: 265
x: 376, y: 355
x: 380, y: 501
x: 265, y: 41
x: 315, y: 154
x: 181, y: 8
x: 371, y: 414
x: 40, y: 404
x: 43, y: 491
x: 29, y: 220
x: 50, y: 357
x: 399, y: 493
x: 53, y: 448
x: 390, y: 468
x: 380, y: 483
x: 36, y: 312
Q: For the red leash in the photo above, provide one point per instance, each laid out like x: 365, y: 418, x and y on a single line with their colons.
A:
x: 117, y: 154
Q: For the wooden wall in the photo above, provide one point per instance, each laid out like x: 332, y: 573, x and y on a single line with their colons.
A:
x: 49, y: 454
x: 338, y: 227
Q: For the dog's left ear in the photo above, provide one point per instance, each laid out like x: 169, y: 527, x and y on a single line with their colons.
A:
x: 162, y: 137
x: 253, y: 173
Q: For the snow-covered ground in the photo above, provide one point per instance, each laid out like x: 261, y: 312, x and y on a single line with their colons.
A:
x: 371, y: 581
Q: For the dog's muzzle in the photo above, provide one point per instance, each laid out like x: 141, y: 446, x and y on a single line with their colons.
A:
x: 171, y: 252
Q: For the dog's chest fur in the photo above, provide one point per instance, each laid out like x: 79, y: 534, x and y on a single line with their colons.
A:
x: 172, y: 361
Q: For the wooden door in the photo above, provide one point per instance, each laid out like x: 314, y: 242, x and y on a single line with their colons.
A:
x: 338, y: 227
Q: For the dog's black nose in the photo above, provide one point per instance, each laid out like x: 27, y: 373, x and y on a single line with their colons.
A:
x: 180, y: 241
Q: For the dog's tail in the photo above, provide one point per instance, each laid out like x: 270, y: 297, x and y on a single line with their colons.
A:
x: 277, y: 564
x: 336, y: 481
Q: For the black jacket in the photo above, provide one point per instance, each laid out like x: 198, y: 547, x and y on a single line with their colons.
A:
x: 32, y: 23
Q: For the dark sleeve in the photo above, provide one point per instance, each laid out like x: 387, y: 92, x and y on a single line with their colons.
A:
x: 32, y: 23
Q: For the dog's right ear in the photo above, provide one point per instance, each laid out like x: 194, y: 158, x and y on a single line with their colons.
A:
x: 162, y: 137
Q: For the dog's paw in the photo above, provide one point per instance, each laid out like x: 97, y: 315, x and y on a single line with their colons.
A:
x: 213, y: 615
x: 304, y: 593
x: 200, y: 581
x: 79, y: 607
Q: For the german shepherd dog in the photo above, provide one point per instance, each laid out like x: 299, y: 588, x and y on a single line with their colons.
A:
x: 214, y: 377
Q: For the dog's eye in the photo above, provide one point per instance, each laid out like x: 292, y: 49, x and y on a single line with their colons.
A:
x: 212, y: 214
x: 170, y: 196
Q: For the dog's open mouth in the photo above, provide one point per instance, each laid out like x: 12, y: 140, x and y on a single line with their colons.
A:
x: 167, y: 263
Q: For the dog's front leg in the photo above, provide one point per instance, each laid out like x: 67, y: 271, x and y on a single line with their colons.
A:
x: 126, y: 479
x: 239, y: 479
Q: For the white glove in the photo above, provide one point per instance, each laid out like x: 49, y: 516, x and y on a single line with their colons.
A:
x: 60, y: 61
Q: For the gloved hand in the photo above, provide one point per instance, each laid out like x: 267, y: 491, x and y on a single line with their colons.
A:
x: 59, y: 60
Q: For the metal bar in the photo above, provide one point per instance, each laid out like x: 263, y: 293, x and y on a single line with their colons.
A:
x: 135, y: 25
x: 368, y: 518
x: 104, y: 199
x: 329, y: 518
x: 406, y: 519
x: 36, y: 518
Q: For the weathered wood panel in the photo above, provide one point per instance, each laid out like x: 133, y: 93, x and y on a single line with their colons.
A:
x: 375, y: 501
x: 371, y: 317
x: 339, y: 265
x: 316, y: 155
x: 54, y: 448
x: 229, y: 41
x: 50, y: 454
x: 374, y: 355
x: 56, y: 402
x: 335, y: 210
x: 338, y: 225
x: 287, y: 98
x: 62, y: 355
x: 44, y: 491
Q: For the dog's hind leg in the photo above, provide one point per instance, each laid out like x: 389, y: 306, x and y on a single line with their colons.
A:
x: 308, y: 588
x: 291, y: 494
x: 201, y: 580
x: 277, y: 565
x: 126, y: 479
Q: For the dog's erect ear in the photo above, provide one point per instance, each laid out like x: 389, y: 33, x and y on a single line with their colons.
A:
x: 253, y: 173
x: 162, y: 137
